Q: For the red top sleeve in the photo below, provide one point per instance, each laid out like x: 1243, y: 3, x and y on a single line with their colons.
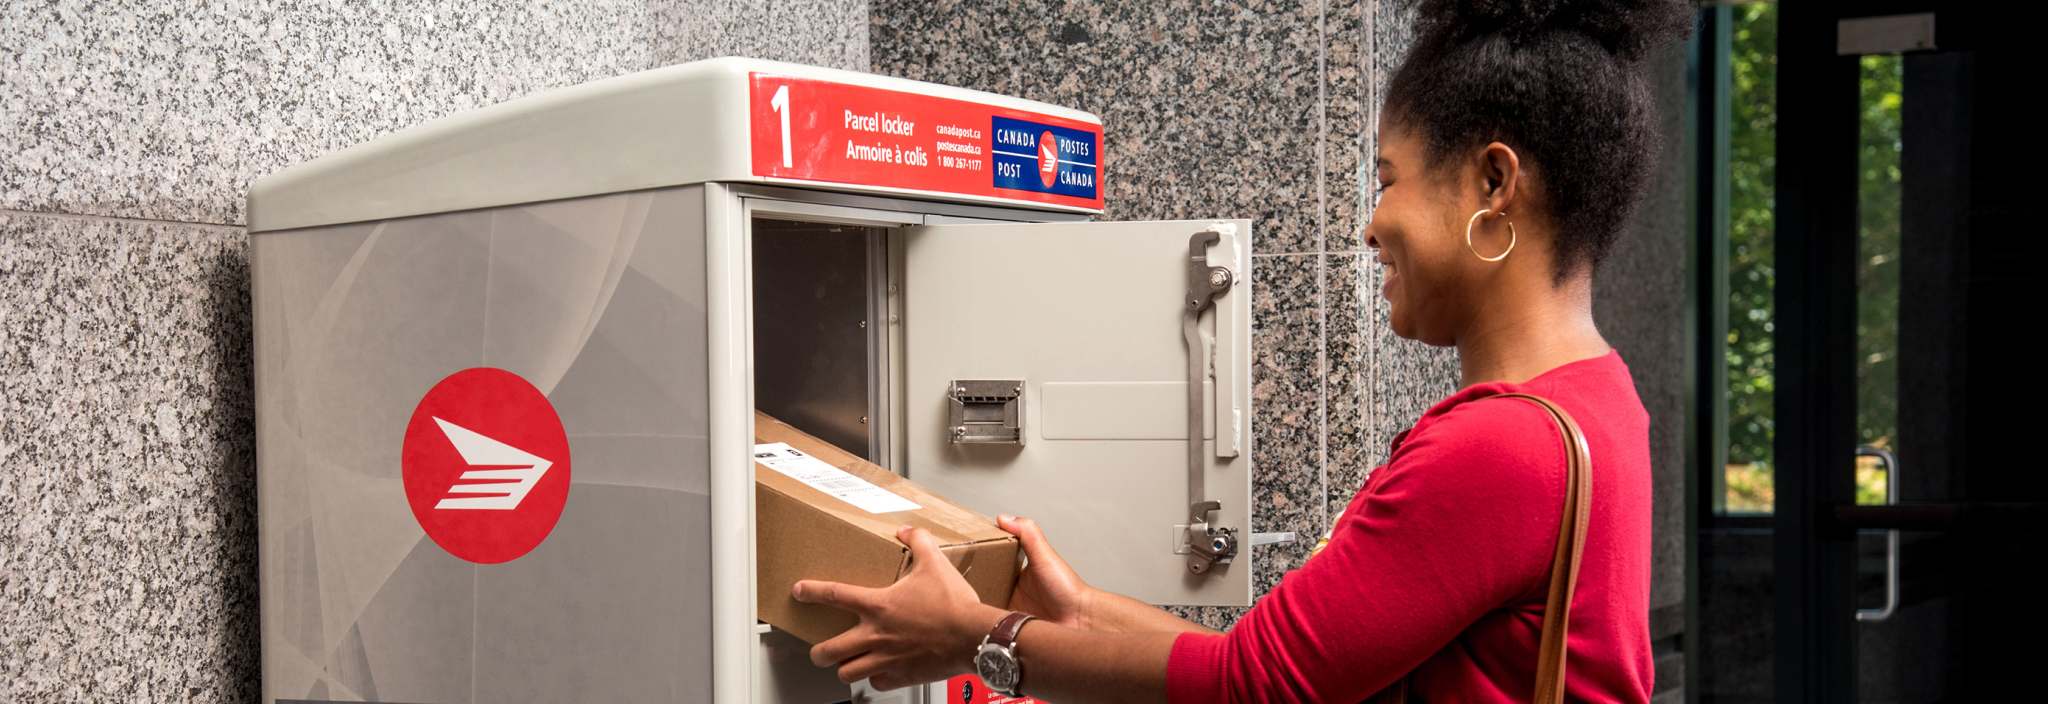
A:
x: 1462, y: 520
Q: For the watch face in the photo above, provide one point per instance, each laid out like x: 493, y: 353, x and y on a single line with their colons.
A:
x: 997, y: 668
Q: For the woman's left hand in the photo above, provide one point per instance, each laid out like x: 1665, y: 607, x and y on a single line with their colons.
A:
x: 923, y: 628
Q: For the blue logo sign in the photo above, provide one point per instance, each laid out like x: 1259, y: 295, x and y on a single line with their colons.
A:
x: 1032, y: 156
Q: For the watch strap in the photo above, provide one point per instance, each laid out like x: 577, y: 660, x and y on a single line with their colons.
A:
x: 1005, y: 632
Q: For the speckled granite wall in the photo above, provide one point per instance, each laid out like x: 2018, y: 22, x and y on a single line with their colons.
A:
x: 1266, y: 110
x: 1641, y: 302
x: 128, y: 131
x: 128, y: 557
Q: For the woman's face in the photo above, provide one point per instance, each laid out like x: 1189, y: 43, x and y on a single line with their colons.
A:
x: 1418, y: 226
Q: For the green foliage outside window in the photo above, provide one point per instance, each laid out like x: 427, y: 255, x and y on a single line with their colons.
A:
x: 1752, y: 260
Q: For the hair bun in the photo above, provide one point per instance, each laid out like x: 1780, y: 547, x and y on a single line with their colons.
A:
x: 1626, y: 28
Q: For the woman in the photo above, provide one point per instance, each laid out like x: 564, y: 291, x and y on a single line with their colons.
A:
x: 1516, y: 138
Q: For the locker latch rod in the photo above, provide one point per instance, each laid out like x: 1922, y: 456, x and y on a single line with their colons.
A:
x: 1208, y: 545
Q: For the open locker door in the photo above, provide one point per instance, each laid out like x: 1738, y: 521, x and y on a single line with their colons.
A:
x: 1046, y: 373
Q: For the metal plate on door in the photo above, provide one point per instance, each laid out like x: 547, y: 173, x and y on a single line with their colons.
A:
x: 986, y: 411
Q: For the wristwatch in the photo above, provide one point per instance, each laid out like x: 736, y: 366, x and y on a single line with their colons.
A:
x: 996, y: 659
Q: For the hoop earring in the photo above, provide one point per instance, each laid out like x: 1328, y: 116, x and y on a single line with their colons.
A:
x: 1475, y: 251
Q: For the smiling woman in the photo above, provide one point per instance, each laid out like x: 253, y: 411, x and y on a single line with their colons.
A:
x: 1514, y: 144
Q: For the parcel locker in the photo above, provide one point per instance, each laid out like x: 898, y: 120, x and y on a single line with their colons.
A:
x: 507, y: 361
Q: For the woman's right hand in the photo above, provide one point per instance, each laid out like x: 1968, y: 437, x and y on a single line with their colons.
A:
x: 1048, y: 587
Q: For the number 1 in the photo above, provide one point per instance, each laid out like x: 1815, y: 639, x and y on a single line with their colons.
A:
x: 780, y: 103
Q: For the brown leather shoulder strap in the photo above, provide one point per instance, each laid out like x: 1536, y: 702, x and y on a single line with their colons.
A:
x: 1564, y: 564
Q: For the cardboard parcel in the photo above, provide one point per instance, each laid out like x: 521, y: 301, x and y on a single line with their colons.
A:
x: 824, y: 513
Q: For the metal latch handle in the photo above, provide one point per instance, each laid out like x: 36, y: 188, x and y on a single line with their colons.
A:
x: 1208, y: 544
x: 1891, y: 538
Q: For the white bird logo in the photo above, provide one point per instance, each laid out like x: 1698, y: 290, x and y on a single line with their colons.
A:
x: 505, y: 471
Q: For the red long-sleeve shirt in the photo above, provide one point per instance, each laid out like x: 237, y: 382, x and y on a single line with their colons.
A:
x: 1441, y: 563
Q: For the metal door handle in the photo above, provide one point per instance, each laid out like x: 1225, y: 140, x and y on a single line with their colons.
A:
x: 1207, y: 544
x: 1891, y: 550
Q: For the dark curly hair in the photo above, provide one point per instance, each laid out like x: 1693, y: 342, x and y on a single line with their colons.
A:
x: 1562, y: 82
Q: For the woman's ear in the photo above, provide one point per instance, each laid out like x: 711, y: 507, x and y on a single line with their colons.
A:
x: 1501, y: 169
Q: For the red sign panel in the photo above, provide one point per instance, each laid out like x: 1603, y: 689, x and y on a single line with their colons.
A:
x: 486, y: 465
x: 969, y: 689
x: 823, y: 131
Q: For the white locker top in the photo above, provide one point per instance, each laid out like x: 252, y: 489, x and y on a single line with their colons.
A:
x: 727, y: 119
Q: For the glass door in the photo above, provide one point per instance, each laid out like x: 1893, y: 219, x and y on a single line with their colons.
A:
x: 1869, y: 501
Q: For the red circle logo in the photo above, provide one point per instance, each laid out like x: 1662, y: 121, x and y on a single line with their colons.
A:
x: 486, y: 465
x: 1048, y: 158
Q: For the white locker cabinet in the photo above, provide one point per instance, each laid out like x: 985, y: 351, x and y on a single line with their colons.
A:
x: 507, y: 362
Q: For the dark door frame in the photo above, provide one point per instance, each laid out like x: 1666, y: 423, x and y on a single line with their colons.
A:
x: 1814, y: 562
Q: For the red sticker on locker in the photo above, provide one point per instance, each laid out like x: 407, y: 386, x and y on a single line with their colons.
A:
x: 969, y: 689
x: 835, y: 132
x: 486, y: 465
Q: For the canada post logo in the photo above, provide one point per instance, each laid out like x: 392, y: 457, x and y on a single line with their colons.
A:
x: 486, y: 465
x: 1031, y: 156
